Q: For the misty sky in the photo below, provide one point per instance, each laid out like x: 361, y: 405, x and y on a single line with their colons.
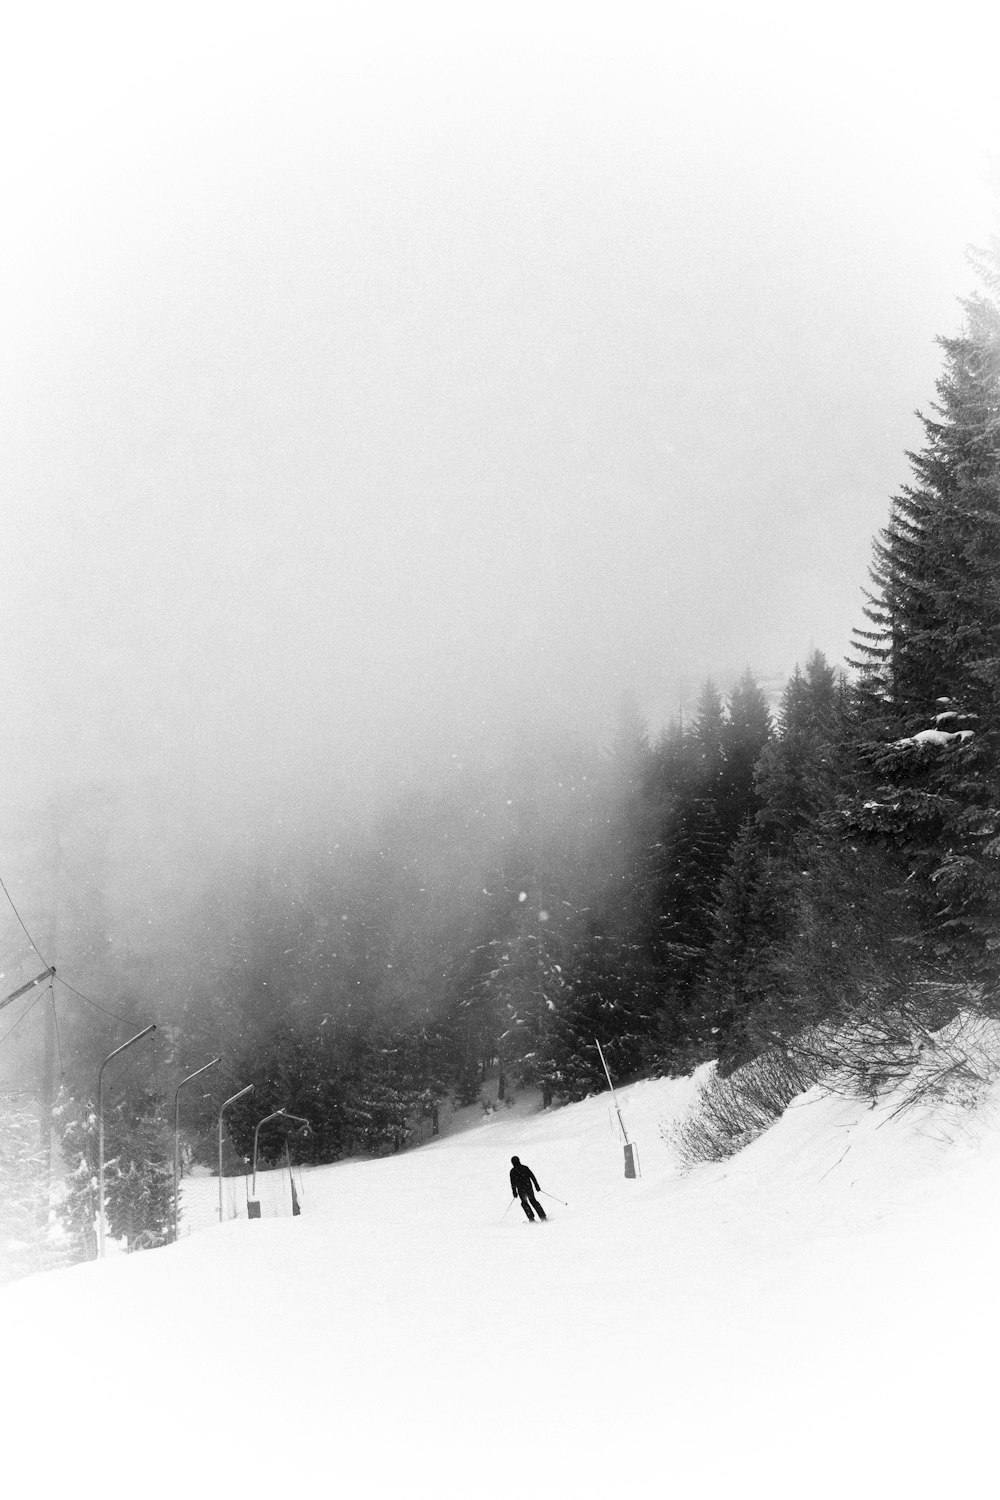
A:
x: 368, y: 394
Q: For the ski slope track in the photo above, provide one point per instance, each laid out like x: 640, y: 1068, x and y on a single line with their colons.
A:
x: 817, y: 1316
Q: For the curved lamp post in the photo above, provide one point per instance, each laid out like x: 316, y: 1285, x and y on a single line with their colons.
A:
x: 177, y: 1137
x: 100, y: 1131
x: 222, y: 1111
x: 278, y: 1114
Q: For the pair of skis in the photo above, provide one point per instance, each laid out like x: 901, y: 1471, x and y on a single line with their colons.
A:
x: 544, y: 1194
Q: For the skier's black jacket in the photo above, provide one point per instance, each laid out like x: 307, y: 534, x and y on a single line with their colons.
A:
x: 522, y: 1178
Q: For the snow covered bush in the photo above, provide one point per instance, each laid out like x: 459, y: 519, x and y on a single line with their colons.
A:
x: 893, y: 1054
x: 75, y: 1123
x: 956, y: 1065
x: 731, y: 1112
x: 138, y: 1175
x: 886, y: 1043
x: 138, y: 1172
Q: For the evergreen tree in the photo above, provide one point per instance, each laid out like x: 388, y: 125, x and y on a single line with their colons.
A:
x: 853, y: 953
x: 75, y: 1124
x: 686, y: 863
x: 928, y: 721
x: 303, y: 1075
x: 435, y: 1065
x: 797, y: 772
x: 526, y: 986
x: 608, y: 998
x: 766, y: 881
x: 476, y: 1016
x: 743, y: 977
x: 384, y: 1092
x: 138, y: 1171
x: 745, y: 733
x: 708, y: 735
x: 691, y: 848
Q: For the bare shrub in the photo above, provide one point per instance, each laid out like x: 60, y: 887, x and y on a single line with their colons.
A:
x: 873, y: 1053
x: 733, y: 1111
x: 954, y: 1066
x: 934, y: 1046
x: 906, y: 1049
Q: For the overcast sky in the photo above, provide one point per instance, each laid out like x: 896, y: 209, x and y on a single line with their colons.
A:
x: 368, y: 390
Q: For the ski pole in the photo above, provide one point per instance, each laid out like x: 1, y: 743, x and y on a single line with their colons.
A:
x: 553, y: 1197
x: 506, y: 1211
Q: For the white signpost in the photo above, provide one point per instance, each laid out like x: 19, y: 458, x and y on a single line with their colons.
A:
x: 630, y: 1153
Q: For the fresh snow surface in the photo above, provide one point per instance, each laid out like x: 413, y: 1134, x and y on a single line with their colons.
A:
x: 816, y: 1317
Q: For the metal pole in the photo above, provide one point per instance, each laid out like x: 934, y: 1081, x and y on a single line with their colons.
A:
x: 613, y: 1094
x: 31, y: 984
x: 256, y: 1133
x: 100, y: 1131
x: 283, y: 1114
x: 177, y: 1137
x: 222, y: 1111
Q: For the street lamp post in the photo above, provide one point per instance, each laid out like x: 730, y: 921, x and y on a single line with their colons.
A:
x: 278, y: 1114
x: 222, y: 1111
x: 177, y: 1137
x: 100, y: 1131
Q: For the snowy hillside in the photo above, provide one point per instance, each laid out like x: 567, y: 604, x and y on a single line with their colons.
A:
x: 816, y: 1317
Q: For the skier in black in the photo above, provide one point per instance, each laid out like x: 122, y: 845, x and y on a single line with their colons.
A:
x: 522, y: 1184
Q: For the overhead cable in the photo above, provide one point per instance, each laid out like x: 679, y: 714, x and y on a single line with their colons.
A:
x: 66, y: 985
x: 26, y: 1012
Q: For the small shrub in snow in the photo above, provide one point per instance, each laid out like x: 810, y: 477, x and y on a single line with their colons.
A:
x: 731, y: 1112
x: 955, y: 1065
x: 926, y: 1045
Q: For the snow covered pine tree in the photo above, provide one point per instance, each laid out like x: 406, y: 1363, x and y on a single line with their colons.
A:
x: 929, y: 692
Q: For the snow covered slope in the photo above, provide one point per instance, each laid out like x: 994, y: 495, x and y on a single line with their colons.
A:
x: 816, y: 1317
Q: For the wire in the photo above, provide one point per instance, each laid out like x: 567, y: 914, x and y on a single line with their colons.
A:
x: 55, y: 1023
x: 21, y: 920
x: 88, y: 1001
x: 21, y: 1017
x: 79, y: 993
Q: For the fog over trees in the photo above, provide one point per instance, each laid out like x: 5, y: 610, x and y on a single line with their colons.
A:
x: 433, y: 481
x: 716, y: 891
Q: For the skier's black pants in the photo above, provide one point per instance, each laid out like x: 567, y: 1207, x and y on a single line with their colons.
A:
x: 529, y: 1202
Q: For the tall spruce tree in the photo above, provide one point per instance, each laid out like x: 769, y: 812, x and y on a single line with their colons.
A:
x: 796, y: 775
x: 928, y: 720
x: 767, y: 884
x: 710, y: 794
x: 609, y: 998
x: 693, y: 845
x: 742, y: 981
x: 75, y: 1123
x: 138, y: 1172
x: 526, y: 985
x: 684, y: 865
x: 745, y: 733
